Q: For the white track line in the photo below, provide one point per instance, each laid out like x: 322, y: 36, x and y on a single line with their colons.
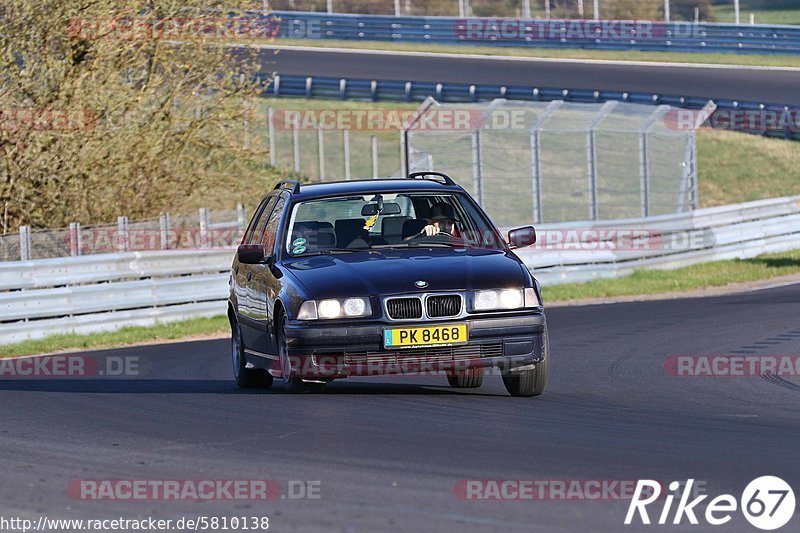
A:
x: 520, y: 58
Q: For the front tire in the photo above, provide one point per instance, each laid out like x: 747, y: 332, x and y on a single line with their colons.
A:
x: 533, y: 382
x: 293, y: 384
x: 246, y: 378
x: 470, y: 378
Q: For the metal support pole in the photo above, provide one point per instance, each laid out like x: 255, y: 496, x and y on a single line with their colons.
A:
x: 644, y: 173
x: 596, y: 9
x: 321, y: 152
x: 644, y: 157
x: 271, y: 132
x: 123, y: 235
x: 164, y: 223
x: 74, y: 239
x: 296, y: 147
x: 246, y: 125
x: 346, y: 142
x: 591, y: 157
x: 204, y: 228
x: 404, y: 162
x: 737, y: 11
x: 396, y: 8
x: 526, y: 9
x: 330, y: 6
x: 462, y: 12
x: 693, y: 175
x: 580, y: 9
x: 666, y: 11
x: 374, y: 157
x: 24, y: 243
x: 477, y: 167
x: 241, y: 217
x: 536, y: 158
x: 547, y: 9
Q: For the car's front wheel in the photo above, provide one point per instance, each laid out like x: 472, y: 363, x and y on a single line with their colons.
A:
x: 246, y: 378
x: 531, y: 382
x: 469, y: 378
x: 293, y: 383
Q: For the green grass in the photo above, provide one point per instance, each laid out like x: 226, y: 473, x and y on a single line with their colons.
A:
x: 785, y: 12
x: 123, y: 337
x: 714, y: 274
x: 666, y: 57
x: 736, y: 167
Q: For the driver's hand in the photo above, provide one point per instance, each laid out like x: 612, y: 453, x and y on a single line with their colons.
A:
x: 429, y: 230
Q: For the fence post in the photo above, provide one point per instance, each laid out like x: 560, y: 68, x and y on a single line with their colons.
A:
x: 24, y: 243
x: 346, y: 141
x: 271, y: 133
x: 204, y: 227
x: 246, y: 125
x: 330, y: 6
x: 404, y: 163
x: 321, y: 153
x: 591, y: 156
x: 396, y: 8
x: 536, y: 158
x: 644, y: 157
x: 374, y: 157
x: 477, y: 167
x: 74, y: 239
x: 296, y: 147
x: 526, y: 9
x: 163, y: 223
x: 241, y: 217
x: 123, y: 235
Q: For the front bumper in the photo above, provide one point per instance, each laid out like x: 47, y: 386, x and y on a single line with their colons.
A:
x: 330, y: 351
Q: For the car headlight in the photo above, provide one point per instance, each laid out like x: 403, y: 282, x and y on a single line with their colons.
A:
x: 505, y: 299
x: 334, y: 308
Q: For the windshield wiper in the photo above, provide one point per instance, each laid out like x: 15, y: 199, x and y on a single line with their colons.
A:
x: 331, y: 251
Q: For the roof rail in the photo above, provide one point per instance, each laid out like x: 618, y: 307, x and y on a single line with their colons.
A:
x: 294, y: 185
x: 445, y: 179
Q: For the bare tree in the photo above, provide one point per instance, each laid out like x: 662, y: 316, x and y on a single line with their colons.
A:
x: 106, y: 112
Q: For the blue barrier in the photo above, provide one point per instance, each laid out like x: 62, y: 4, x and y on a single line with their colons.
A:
x: 602, y: 35
x: 409, y: 91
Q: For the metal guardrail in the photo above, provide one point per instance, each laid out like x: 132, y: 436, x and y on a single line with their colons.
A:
x: 540, y: 33
x: 414, y: 91
x: 106, y: 292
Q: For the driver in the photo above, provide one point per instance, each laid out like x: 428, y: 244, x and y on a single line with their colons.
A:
x: 442, y: 221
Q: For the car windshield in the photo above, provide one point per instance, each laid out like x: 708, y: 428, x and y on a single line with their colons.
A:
x: 344, y: 224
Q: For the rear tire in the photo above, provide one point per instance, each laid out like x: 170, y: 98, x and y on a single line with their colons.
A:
x: 471, y: 378
x: 246, y: 378
x: 533, y: 382
x: 294, y: 385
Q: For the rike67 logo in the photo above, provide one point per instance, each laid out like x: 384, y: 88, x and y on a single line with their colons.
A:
x: 767, y: 502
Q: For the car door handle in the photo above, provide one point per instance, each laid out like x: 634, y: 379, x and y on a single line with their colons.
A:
x: 249, y: 276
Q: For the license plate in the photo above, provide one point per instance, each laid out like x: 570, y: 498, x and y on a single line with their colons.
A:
x: 420, y: 337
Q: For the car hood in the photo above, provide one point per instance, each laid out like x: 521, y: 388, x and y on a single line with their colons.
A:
x: 388, y: 272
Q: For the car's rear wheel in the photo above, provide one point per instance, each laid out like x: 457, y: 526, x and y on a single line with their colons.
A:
x: 531, y: 382
x: 469, y: 378
x: 293, y: 383
x: 246, y: 378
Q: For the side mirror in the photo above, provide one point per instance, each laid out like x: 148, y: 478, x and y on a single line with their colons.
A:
x: 521, y: 237
x: 250, y: 254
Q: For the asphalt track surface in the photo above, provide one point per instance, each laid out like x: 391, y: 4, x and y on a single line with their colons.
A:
x: 389, y: 451
x: 767, y: 86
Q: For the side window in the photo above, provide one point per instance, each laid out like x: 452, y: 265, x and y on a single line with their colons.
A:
x: 254, y: 236
x: 271, y: 231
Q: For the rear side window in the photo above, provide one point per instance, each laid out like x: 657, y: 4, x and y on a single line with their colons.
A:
x: 271, y: 228
x: 256, y: 229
